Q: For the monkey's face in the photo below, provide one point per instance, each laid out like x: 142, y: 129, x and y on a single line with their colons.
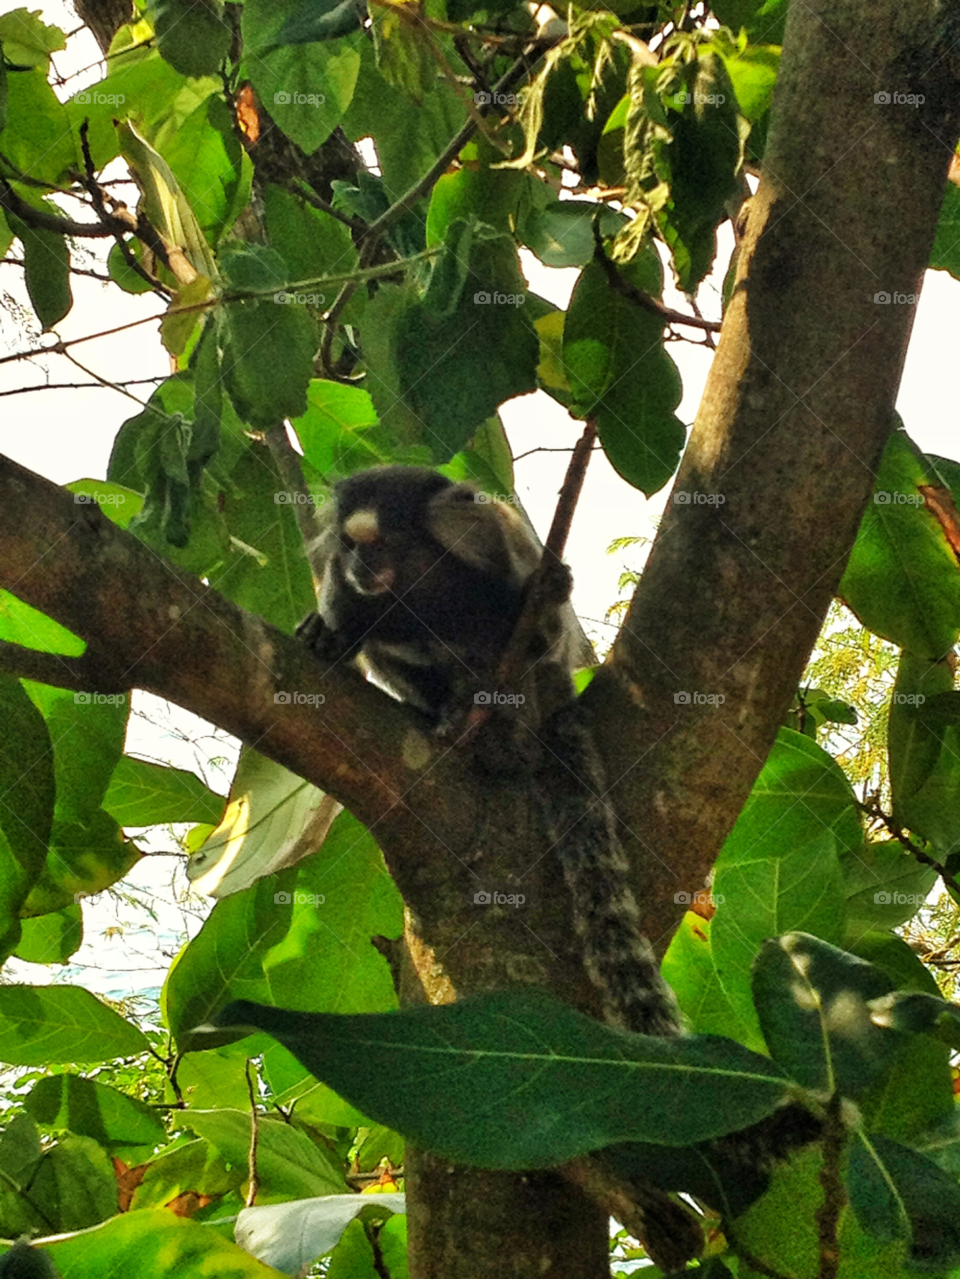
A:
x: 368, y: 562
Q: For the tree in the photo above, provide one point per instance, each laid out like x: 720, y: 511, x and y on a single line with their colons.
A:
x: 346, y: 301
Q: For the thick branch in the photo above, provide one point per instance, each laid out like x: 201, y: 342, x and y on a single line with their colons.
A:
x: 798, y: 407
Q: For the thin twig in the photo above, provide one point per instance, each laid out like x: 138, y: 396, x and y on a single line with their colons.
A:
x: 827, y: 1215
x: 645, y: 301
x: 253, y: 1178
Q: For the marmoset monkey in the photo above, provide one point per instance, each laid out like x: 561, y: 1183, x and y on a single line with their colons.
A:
x: 424, y: 580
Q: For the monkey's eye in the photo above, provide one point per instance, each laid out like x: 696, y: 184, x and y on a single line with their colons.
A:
x: 347, y: 542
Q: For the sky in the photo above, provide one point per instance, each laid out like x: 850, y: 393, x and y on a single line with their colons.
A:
x: 67, y: 434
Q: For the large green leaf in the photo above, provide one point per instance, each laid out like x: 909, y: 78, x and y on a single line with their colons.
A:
x: 27, y: 787
x: 269, y: 344
x: 89, y: 1109
x: 814, y: 1005
x: 43, y: 1025
x: 884, y: 886
x: 333, y: 432
x: 145, y: 794
x: 154, y: 1243
x: 898, y: 1194
x: 305, y: 87
x: 289, y: 1164
x: 46, y: 265
x: 518, y: 1080
x: 192, y: 35
x: 621, y: 375
x: 901, y: 579
x: 285, y: 939
x: 272, y: 820
x: 37, y: 139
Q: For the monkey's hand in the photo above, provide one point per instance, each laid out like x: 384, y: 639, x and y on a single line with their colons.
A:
x: 324, y: 643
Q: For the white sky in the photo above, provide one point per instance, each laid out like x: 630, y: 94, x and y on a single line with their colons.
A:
x: 68, y: 434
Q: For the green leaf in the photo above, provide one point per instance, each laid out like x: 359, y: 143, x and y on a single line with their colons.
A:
x: 285, y: 938
x: 405, y: 53
x: 764, y: 20
x: 901, y: 579
x: 536, y: 1082
x: 289, y: 1164
x: 913, y: 740
x: 46, y: 264
x: 154, y: 1243
x: 337, y: 419
x: 621, y: 375
x: 312, y: 244
x: 269, y: 345
x: 899, y: 1194
x: 189, y: 1166
x: 37, y: 139
x: 814, y: 1005
x: 145, y: 794
x: 26, y: 814
x: 210, y: 164
x: 192, y: 35
x: 44, y: 1025
x: 561, y: 233
x: 884, y: 886
x: 945, y: 254
x: 27, y: 41
x: 320, y: 20
x: 75, y: 1183
x: 51, y: 938
x: 703, y: 162
x: 271, y: 820
x: 288, y: 77
x: 441, y: 366
x: 164, y: 202
x: 88, y: 1109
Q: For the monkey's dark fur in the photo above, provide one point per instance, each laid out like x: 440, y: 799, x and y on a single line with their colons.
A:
x: 424, y: 580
